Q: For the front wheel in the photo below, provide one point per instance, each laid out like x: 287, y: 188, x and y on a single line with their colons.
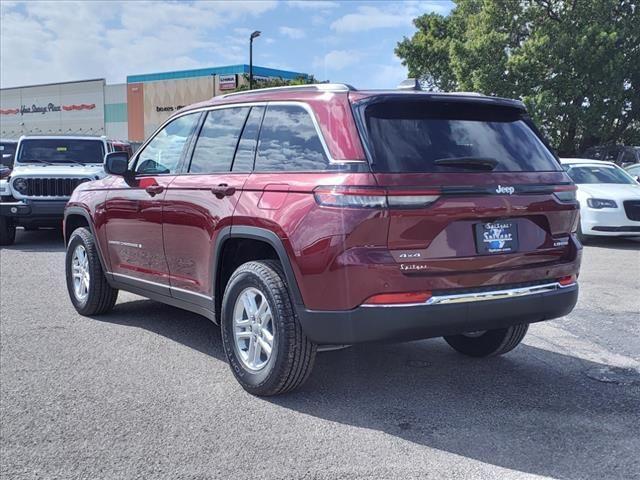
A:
x: 7, y: 231
x: 262, y: 337
x: 488, y: 343
x: 88, y: 288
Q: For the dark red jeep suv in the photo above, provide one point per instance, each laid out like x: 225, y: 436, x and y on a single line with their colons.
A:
x: 302, y: 217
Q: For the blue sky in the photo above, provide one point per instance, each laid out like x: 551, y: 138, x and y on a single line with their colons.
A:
x: 351, y: 42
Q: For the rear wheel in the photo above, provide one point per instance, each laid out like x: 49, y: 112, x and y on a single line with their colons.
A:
x: 262, y: 337
x: 88, y: 288
x: 7, y: 231
x: 488, y: 343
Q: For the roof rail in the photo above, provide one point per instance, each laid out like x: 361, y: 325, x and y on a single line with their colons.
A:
x: 316, y: 87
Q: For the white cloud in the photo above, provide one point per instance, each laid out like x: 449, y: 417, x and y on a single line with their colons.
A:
x: 337, y: 59
x: 313, y: 4
x: 390, y: 16
x: 294, y: 33
x: 388, y: 75
x: 112, y: 40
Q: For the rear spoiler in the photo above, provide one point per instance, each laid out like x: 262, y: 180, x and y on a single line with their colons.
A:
x: 453, y: 97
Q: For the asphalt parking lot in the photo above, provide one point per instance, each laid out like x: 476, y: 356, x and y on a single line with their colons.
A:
x: 144, y: 392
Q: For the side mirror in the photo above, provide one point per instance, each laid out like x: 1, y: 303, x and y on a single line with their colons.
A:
x: 116, y: 163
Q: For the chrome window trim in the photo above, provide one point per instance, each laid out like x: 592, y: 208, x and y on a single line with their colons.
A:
x: 263, y: 103
x: 481, y: 296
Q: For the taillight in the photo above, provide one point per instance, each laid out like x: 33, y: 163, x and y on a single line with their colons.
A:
x: 353, y: 197
x: 567, y: 280
x: 398, y: 298
x: 373, y: 197
x: 565, y: 193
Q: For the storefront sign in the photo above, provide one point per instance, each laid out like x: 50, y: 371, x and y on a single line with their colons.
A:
x: 24, y: 109
x: 228, y: 82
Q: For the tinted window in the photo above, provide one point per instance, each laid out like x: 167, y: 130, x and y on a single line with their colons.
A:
x: 628, y: 156
x: 248, y: 142
x: 289, y: 141
x: 414, y: 136
x: 163, y: 153
x: 8, y: 151
x: 598, y: 174
x: 217, y: 141
x: 41, y: 150
x: 635, y: 170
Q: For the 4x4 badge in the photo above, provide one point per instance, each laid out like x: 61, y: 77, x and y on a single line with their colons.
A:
x: 508, y: 190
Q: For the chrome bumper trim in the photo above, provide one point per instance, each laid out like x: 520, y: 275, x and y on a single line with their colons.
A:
x: 482, y: 296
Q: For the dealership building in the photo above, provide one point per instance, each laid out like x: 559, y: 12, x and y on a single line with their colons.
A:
x: 129, y: 111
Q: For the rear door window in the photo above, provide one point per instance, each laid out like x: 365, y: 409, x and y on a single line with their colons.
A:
x: 289, y: 141
x: 410, y: 136
x: 246, y: 151
x: 218, y: 139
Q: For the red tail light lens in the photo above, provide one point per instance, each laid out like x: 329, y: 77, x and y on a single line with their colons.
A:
x: 398, y: 298
x: 567, y: 280
x: 363, y: 197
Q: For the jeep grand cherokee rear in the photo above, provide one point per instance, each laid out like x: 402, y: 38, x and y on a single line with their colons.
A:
x: 321, y: 215
x: 479, y: 220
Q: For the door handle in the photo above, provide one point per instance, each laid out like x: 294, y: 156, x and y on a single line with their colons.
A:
x: 153, y: 190
x: 223, y: 190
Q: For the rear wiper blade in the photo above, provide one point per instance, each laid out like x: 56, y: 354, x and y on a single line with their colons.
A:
x: 470, y: 163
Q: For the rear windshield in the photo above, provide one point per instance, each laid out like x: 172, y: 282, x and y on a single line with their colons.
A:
x: 407, y: 136
x: 582, y: 174
x: 60, y: 151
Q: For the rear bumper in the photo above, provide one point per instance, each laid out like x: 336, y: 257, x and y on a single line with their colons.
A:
x: 382, y: 323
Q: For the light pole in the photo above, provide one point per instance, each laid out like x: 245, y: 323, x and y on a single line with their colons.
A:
x: 255, y: 34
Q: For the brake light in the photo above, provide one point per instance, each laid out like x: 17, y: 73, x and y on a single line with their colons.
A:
x: 567, y: 280
x: 398, y: 298
x: 565, y: 193
x: 373, y: 197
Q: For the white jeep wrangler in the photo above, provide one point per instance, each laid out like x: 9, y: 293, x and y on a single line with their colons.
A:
x: 45, y: 172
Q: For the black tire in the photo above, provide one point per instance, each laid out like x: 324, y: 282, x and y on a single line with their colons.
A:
x: 292, y: 355
x: 7, y: 231
x: 490, y: 343
x: 101, y: 297
x: 584, y: 239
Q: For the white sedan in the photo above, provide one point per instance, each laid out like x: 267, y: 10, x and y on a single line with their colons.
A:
x: 609, y: 198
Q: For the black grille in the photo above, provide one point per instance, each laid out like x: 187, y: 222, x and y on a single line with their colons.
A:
x: 632, y: 209
x: 51, y: 187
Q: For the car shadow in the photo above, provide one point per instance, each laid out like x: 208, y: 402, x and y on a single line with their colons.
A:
x: 43, y: 240
x: 186, y: 328
x: 533, y: 410
x: 617, y: 243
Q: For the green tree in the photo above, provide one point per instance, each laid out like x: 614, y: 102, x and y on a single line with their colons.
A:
x: 276, y: 82
x: 575, y: 64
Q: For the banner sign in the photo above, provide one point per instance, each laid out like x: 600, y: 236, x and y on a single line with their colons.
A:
x: 227, y: 82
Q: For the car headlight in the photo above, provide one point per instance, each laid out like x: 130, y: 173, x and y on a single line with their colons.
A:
x: 20, y: 184
x: 601, y: 203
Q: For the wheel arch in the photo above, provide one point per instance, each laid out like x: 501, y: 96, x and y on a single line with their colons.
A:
x: 265, y: 236
x: 76, y: 217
